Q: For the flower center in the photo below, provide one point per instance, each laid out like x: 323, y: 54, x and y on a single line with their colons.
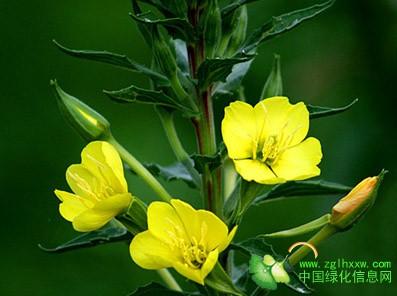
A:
x: 194, y: 254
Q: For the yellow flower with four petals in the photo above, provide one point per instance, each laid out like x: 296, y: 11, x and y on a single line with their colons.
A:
x: 100, y: 189
x: 267, y: 142
x: 181, y: 237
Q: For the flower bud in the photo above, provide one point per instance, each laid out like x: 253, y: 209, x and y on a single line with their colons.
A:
x: 239, y: 30
x: 274, y: 83
x: 137, y: 213
x: 162, y: 53
x: 358, y: 201
x: 88, y: 123
x: 212, y: 28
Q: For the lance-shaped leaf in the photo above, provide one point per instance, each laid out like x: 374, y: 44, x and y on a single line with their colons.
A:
x: 214, y: 70
x: 302, y: 188
x: 169, y: 7
x: 230, y: 88
x: 255, y: 246
x: 283, y: 23
x: 112, y: 232
x: 317, y: 111
x: 155, y: 289
x: 134, y: 94
x: 174, y: 172
x: 177, y: 27
x: 114, y: 59
x: 228, y: 9
x: 212, y: 161
x: 219, y: 280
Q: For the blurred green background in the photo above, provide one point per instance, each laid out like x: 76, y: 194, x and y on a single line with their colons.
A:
x: 350, y: 51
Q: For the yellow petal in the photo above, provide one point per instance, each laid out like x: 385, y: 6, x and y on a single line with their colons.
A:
x: 229, y: 239
x: 189, y: 217
x: 72, y: 205
x: 150, y: 253
x: 276, y: 116
x: 254, y: 170
x: 299, y: 162
x: 213, y: 230
x: 164, y: 223
x: 82, y: 182
x: 102, y: 213
x: 103, y: 161
x: 209, y: 263
x: 90, y: 220
x: 239, y: 130
x: 188, y: 272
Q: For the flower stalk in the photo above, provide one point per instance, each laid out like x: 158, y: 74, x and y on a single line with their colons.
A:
x: 140, y: 170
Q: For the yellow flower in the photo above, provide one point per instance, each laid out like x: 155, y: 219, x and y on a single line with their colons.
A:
x: 100, y: 189
x: 181, y: 237
x: 266, y: 142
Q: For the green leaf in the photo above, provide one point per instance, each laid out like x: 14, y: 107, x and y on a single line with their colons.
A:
x: 112, y: 232
x: 174, y: 172
x: 134, y: 94
x: 230, y: 87
x: 114, y: 59
x: 214, y: 70
x: 155, y: 289
x: 317, y: 112
x: 219, y: 280
x: 283, y: 23
x: 234, y: 5
x: 302, y: 229
x: 274, y: 83
x: 181, y: 55
x: 295, y: 283
x: 255, y: 246
x: 212, y: 161
x: 302, y: 188
x: 177, y: 27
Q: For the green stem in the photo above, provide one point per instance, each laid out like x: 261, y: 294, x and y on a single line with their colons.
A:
x: 326, y: 232
x: 169, y: 280
x: 141, y: 171
x: 204, y: 124
x: 167, y: 120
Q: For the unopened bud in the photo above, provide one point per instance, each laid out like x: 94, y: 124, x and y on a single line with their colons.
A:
x: 87, y: 122
x: 163, y: 54
x: 212, y: 28
x: 356, y: 203
x: 274, y: 83
x: 238, y: 30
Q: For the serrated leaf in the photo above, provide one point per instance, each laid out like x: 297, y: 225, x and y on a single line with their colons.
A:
x: 283, y: 23
x: 317, y: 111
x: 112, y: 232
x: 217, y: 69
x: 219, y: 280
x: 134, y: 94
x: 302, y: 188
x: 117, y: 60
x: 177, y: 27
x: 174, y: 172
x: 156, y: 289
